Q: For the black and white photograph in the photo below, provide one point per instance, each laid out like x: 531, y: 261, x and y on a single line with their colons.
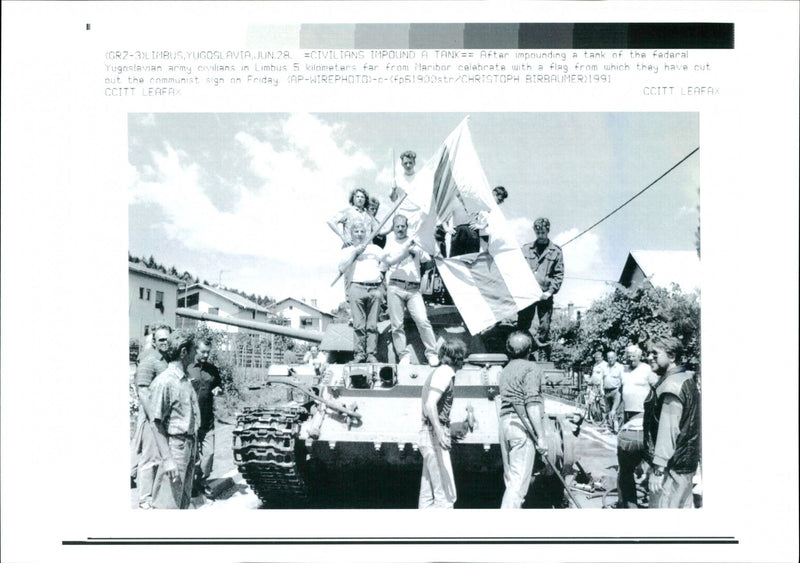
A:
x: 533, y: 264
x: 571, y: 235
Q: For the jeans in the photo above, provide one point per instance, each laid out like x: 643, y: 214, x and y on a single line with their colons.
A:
x: 364, y: 305
x: 176, y: 493
x: 630, y: 453
x: 677, y: 491
x: 397, y: 300
x: 437, y: 487
x: 518, y: 458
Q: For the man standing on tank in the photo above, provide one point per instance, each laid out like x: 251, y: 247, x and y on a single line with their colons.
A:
x: 671, y: 427
x: 405, y: 260
x: 437, y: 486
x: 405, y: 186
x: 361, y: 266
x: 546, y: 261
x: 206, y: 382
x: 176, y: 416
x: 144, y: 451
x: 521, y: 411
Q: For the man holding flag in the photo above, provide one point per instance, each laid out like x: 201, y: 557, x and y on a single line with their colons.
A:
x: 361, y: 266
x: 405, y: 260
x: 492, y: 284
x: 546, y: 261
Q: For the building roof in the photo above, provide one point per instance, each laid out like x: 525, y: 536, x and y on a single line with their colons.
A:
x: 664, y: 267
x: 236, y: 299
x: 140, y: 268
x: 277, y: 305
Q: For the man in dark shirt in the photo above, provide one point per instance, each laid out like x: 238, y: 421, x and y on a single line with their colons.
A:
x: 521, y: 411
x: 206, y: 382
x: 547, y: 264
x: 671, y: 427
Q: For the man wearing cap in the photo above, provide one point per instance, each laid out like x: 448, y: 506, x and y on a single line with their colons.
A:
x: 361, y: 266
x: 521, y: 412
x: 546, y: 261
x: 405, y: 260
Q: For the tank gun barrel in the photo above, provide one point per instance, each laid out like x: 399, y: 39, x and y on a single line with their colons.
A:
x: 299, y: 334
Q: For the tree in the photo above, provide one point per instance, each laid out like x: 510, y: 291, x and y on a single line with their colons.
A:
x: 633, y: 316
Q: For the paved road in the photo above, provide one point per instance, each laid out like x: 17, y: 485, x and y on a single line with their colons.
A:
x: 595, y: 451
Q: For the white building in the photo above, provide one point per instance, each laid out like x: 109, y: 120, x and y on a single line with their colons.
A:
x: 215, y: 301
x: 152, y: 299
x: 301, y: 314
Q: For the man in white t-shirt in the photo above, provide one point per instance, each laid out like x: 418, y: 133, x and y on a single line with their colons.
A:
x: 361, y: 266
x: 637, y: 381
x: 437, y: 486
x: 405, y: 185
x: 405, y: 260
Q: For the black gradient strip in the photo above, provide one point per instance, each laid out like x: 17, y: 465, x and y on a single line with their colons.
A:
x: 578, y: 540
x: 656, y: 35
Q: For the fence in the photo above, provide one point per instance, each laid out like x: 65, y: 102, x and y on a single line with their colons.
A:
x: 251, y: 350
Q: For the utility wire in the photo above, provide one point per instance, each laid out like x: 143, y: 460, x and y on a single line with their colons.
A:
x: 650, y: 185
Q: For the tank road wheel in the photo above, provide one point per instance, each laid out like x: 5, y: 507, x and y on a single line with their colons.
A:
x: 264, y: 450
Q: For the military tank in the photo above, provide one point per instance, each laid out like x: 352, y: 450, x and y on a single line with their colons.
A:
x: 347, y: 437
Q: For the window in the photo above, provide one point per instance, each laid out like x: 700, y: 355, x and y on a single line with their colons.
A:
x: 213, y: 310
x: 190, y: 301
x: 159, y: 298
x: 148, y: 294
x: 306, y: 321
x: 146, y: 330
x: 141, y: 293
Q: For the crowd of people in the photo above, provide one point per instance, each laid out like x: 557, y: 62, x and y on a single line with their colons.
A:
x: 172, y: 451
x: 654, y: 409
x: 383, y: 263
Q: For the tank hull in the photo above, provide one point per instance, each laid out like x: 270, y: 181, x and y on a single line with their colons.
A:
x: 324, y: 457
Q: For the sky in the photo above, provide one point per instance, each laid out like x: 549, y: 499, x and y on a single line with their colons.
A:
x: 244, y: 198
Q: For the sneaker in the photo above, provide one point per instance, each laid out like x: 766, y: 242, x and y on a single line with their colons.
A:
x: 145, y: 506
x: 433, y: 361
x: 405, y: 360
x: 372, y: 359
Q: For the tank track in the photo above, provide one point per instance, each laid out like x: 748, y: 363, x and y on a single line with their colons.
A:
x: 264, y: 451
